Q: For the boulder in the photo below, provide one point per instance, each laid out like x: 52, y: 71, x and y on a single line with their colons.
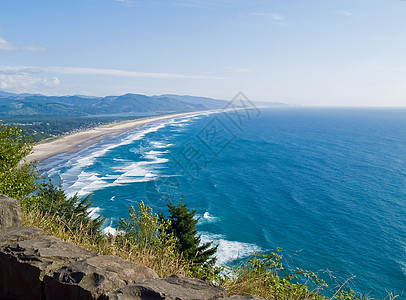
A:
x: 10, y: 212
x: 19, y: 233
x: 24, y: 264
x: 90, y: 278
x: 170, y: 288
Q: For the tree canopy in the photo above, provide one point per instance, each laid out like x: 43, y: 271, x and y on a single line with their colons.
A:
x: 75, y: 213
x: 17, y: 177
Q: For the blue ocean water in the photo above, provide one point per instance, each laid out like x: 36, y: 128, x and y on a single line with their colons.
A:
x: 326, y: 185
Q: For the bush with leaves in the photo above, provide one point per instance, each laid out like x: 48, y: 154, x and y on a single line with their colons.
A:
x: 17, y: 178
x: 144, y: 228
x: 264, y: 275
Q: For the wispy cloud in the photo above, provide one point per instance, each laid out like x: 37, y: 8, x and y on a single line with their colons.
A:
x: 34, y: 48
x: 8, y: 46
x: 27, y: 70
x: 28, y: 79
x: 233, y: 69
x: 275, y: 18
x: 344, y: 13
x: 271, y: 15
x: 199, y: 4
x: 128, y: 3
x: 187, y: 3
x: 19, y: 70
x: 202, y: 3
x: 124, y: 73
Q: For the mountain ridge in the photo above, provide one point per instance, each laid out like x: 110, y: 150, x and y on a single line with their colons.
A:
x: 127, y: 104
x: 36, y: 104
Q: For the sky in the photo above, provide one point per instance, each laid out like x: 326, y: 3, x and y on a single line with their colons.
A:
x: 306, y: 52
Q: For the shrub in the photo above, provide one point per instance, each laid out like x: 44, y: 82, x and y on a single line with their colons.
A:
x: 17, y: 178
x: 143, y: 227
x: 263, y: 275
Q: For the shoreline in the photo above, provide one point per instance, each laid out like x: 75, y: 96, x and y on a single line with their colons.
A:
x: 77, y: 141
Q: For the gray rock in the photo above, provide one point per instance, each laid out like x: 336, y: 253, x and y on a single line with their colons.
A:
x: 19, y: 233
x: 170, y: 288
x: 10, y: 212
x: 90, y: 278
x: 24, y: 264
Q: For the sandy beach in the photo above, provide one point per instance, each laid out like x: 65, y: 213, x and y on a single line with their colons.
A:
x: 79, y: 140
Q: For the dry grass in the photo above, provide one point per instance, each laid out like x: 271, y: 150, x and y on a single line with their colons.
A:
x: 162, y: 261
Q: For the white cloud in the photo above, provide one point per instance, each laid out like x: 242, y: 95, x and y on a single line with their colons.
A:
x: 26, y: 70
x: 273, y: 16
x: 20, y: 79
x: 19, y: 70
x: 234, y: 69
x: 124, y: 73
x: 26, y: 79
x: 206, y: 4
x: 202, y: 4
x: 344, y: 13
x: 25, y: 83
x: 127, y: 3
x: 34, y: 48
x: 7, y: 46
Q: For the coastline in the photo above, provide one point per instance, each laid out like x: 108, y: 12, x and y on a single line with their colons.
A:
x: 77, y: 141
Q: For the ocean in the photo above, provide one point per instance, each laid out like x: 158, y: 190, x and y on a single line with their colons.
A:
x: 328, y: 186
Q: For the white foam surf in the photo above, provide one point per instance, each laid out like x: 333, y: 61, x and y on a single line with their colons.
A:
x: 109, y: 231
x: 94, y: 212
x: 206, y: 218
x: 160, y: 145
x: 76, y: 179
x: 228, y: 251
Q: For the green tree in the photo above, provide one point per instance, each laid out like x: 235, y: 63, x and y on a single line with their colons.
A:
x: 74, y: 213
x: 17, y: 177
x: 143, y: 227
x: 183, y: 227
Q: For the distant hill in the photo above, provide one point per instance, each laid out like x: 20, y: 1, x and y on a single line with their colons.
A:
x: 36, y: 105
x: 271, y: 104
x: 7, y: 94
x: 193, y: 99
x: 128, y: 104
x: 43, y: 117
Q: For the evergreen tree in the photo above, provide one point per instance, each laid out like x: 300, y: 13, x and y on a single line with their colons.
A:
x: 182, y: 226
x: 72, y: 211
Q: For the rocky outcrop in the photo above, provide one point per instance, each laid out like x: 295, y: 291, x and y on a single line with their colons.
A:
x: 172, y: 287
x: 92, y: 277
x: 27, y: 262
x: 19, y: 233
x: 36, y: 266
x: 10, y: 212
